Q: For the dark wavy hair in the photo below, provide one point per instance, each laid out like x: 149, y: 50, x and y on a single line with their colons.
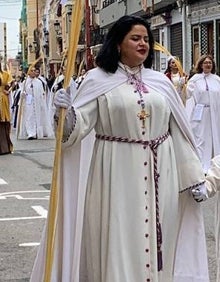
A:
x: 198, y: 67
x: 108, y: 56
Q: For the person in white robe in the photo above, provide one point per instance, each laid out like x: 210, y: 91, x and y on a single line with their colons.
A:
x: 42, y: 79
x: 203, y: 107
x: 33, y: 118
x: 44, y: 83
x: 58, y: 84
x: 178, y: 80
x: 79, y: 79
x: 130, y: 179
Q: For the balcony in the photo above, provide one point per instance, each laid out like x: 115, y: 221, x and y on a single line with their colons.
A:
x: 106, y: 3
x: 159, y: 4
x: 111, y: 11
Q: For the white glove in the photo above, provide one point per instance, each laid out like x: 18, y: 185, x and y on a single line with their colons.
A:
x: 200, y: 193
x: 62, y: 99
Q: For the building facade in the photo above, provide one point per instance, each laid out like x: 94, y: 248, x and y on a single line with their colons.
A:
x: 3, y: 44
x: 186, y: 28
x: 205, y: 30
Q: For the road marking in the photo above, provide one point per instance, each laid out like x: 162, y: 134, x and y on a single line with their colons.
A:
x: 29, y: 244
x: 2, y: 182
x: 40, y: 210
x: 20, y: 218
x: 5, y: 195
x: 43, y: 213
x: 18, y: 197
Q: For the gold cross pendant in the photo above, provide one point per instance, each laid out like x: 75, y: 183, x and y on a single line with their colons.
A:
x: 142, y: 116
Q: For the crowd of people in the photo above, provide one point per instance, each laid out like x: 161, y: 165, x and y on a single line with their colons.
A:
x: 27, y: 104
x: 146, y: 153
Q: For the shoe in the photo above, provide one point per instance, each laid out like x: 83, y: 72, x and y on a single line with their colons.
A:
x: 31, y: 138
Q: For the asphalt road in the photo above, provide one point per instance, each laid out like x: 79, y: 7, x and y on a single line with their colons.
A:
x: 25, y: 178
x: 209, y: 216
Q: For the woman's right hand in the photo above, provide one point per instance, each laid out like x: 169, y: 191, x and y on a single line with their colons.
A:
x: 62, y: 99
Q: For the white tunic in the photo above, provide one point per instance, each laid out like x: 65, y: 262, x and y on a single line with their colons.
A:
x: 179, y: 84
x: 204, y: 91
x: 34, y: 118
x: 119, y: 222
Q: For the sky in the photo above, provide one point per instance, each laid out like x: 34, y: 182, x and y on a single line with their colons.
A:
x: 10, y: 12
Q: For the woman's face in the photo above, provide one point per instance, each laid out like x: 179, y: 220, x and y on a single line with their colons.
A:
x: 134, y: 48
x: 173, y: 64
x: 32, y: 73
x: 207, y: 65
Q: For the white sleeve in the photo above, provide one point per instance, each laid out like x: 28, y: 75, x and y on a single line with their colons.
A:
x: 213, y: 177
x: 190, y: 88
x: 79, y: 122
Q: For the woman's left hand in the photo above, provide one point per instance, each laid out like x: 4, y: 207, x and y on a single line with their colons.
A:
x: 200, y: 193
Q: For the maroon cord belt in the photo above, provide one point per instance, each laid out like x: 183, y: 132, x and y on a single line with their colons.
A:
x: 153, y: 145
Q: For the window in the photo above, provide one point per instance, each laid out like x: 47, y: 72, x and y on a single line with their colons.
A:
x: 195, y: 43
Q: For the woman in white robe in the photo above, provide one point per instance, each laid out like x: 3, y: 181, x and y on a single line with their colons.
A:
x: 203, y: 107
x: 133, y: 186
x: 178, y: 80
x: 203, y: 89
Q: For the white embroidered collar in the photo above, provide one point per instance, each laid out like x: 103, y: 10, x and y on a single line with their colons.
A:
x: 134, y: 70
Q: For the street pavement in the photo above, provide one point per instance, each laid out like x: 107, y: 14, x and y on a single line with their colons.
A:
x: 25, y: 178
x: 209, y: 217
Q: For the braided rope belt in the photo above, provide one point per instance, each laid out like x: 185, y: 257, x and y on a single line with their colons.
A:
x: 153, y: 145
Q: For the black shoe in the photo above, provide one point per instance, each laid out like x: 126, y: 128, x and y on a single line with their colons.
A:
x: 31, y: 138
